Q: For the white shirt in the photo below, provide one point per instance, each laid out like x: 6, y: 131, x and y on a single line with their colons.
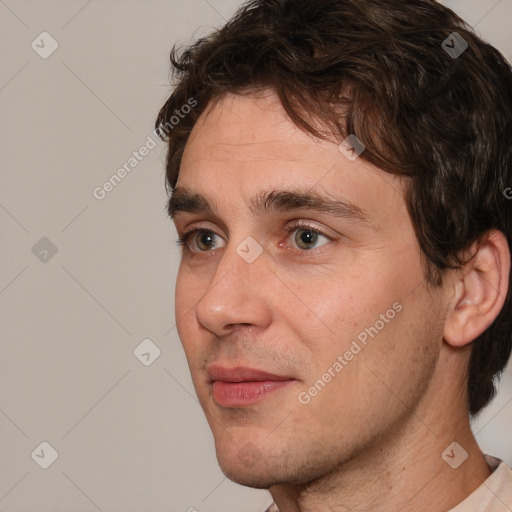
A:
x: 494, y: 495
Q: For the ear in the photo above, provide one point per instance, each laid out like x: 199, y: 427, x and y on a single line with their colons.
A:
x: 479, y: 290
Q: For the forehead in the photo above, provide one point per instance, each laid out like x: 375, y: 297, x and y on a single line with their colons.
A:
x: 248, y: 128
x: 246, y: 144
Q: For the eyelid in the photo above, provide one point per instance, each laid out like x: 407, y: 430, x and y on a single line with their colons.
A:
x: 306, y: 224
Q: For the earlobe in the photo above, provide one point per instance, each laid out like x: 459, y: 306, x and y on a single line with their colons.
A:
x: 479, y: 290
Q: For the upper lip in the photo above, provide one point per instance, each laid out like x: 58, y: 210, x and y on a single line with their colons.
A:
x: 242, y: 374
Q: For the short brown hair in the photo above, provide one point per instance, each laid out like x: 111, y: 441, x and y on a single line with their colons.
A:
x: 379, y: 69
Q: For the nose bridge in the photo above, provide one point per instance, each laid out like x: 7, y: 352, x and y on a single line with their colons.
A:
x: 237, y: 293
x: 243, y: 259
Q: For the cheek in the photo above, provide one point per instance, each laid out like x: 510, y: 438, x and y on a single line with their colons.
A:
x: 187, y: 294
x: 329, y: 311
x: 370, y: 314
x: 377, y: 382
x: 181, y: 295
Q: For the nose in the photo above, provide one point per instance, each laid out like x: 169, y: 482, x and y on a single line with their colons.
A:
x: 239, y: 294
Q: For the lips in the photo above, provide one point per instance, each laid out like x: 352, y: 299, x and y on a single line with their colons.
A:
x: 241, y: 386
x: 242, y: 374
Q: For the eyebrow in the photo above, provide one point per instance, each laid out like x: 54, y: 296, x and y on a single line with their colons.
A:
x: 185, y: 200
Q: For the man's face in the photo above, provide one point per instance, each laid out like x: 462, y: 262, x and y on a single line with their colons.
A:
x: 331, y: 305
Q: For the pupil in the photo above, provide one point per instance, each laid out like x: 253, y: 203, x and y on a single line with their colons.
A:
x: 205, y: 236
x: 308, y: 237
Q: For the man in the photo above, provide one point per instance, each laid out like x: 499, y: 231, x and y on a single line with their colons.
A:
x: 338, y: 173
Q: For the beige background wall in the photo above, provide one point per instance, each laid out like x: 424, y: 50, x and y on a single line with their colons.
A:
x: 129, y: 437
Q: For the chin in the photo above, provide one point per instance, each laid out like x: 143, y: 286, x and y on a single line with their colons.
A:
x: 267, y: 476
x: 252, y: 468
x: 248, y: 478
x: 248, y: 466
x: 264, y: 476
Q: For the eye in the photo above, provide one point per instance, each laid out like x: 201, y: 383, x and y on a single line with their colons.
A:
x: 204, y: 239
x: 306, y: 237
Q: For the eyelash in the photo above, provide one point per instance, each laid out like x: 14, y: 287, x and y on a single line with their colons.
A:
x: 183, y: 240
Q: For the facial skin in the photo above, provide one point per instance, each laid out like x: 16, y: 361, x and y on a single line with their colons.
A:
x: 372, y: 438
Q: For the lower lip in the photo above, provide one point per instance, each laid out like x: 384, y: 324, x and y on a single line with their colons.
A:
x: 233, y: 394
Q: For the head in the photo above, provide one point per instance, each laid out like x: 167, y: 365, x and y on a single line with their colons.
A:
x: 366, y: 282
